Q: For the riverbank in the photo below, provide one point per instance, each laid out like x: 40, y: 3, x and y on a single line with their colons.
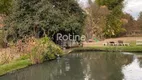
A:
x: 110, y: 49
x: 15, y: 65
x: 35, y: 52
x: 25, y: 62
x: 51, y: 50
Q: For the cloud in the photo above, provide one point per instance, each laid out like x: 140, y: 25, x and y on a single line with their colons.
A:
x: 133, y: 7
x: 83, y: 3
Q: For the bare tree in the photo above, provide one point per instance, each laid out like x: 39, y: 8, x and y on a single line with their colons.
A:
x: 96, y: 20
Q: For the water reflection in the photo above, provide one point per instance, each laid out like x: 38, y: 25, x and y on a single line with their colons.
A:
x: 133, y: 71
x: 84, y: 66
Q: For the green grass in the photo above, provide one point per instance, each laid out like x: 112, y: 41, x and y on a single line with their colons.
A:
x: 111, y: 48
x: 131, y: 48
x: 14, y: 66
x: 43, y: 51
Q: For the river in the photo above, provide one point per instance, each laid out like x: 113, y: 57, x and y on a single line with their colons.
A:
x: 84, y: 66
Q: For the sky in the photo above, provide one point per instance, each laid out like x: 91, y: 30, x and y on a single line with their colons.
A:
x: 133, y: 7
x: 83, y: 3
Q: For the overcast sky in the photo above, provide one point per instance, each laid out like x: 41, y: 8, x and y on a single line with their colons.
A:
x: 133, y: 7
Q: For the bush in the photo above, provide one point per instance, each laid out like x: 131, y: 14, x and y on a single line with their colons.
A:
x: 2, y: 43
x: 45, y: 50
x: 39, y: 17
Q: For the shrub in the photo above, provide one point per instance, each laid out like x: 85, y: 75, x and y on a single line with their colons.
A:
x: 45, y: 50
x: 36, y: 17
x: 2, y: 43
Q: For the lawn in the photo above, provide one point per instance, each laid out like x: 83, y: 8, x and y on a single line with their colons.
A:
x: 111, y: 48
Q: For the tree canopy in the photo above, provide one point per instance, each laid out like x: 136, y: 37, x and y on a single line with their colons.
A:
x: 139, y: 21
x: 113, y: 22
x: 39, y: 17
x: 96, y: 20
x: 5, y: 6
x: 111, y: 4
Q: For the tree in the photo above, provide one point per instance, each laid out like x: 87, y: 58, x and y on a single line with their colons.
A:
x: 129, y: 23
x: 5, y: 6
x: 40, y: 17
x: 96, y: 20
x: 111, y: 4
x: 113, y: 22
x: 139, y: 21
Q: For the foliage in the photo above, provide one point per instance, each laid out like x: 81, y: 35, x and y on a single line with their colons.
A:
x: 111, y: 4
x: 5, y: 6
x: 129, y: 24
x: 40, y: 17
x: 139, y: 21
x: 45, y: 50
x: 1, y: 39
x: 96, y: 20
x: 113, y: 22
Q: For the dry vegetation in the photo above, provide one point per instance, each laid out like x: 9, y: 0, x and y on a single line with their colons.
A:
x: 16, y: 51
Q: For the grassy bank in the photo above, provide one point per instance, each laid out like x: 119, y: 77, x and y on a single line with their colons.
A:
x: 42, y: 50
x: 15, y: 65
x: 111, y: 48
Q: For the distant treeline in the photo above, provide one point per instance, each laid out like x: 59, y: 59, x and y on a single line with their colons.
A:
x: 106, y: 19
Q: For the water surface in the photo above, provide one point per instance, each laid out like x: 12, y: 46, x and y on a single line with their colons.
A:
x: 84, y: 66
